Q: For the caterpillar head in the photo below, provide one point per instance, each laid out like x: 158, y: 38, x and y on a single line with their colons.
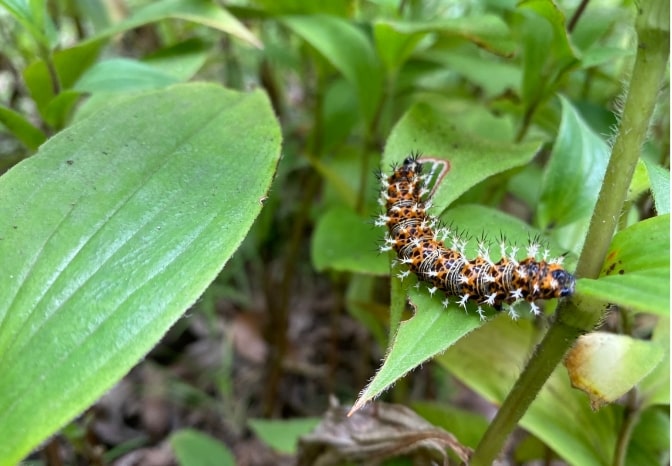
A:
x: 565, y: 281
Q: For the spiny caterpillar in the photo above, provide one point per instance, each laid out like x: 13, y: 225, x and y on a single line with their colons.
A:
x: 419, y: 243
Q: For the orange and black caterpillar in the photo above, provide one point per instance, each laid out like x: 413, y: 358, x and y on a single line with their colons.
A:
x: 419, y: 243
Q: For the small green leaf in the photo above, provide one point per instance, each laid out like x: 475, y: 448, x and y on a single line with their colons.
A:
x: 109, y: 233
x: 429, y: 332
x: 181, y: 60
x: 123, y: 75
x: 650, y: 444
x: 605, y: 366
x: 194, y: 448
x: 457, y: 139
x: 70, y: 64
x: 21, y: 128
x: 345, y: 241
x: 33, y: 17
x: 573, y: 176
x: 659, y: 178
x: 282, y: 434
x: 352, y: 54
x: 478, y: 69
x: 655, y: 388
x: 394, y: 46
x: 396, y: 40
x: 548, y: 52
x: 636, y: 272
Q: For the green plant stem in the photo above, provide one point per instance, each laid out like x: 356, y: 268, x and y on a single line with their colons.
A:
x: 649, y: 69
x: 630, y: 419
x: 549, y: 353
x: 581, y: 314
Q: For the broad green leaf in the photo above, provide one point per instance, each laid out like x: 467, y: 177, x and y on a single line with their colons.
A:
x: 194, y: 448
x: 636, y: 272
x: 69, y: 64
x: 490, y: 359
x: 352, y: 54
x: 21, y: 128
x: 459, y: 138
x: 606, y: 366
x: 574, y: 173
x: 109, y: 233
x: 123, y: 75
x: 345, y: 241
x: 434, y: 328
x: 203, y: 12
x: 282, y: 434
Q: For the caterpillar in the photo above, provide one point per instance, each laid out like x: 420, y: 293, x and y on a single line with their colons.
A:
x: 419, y: 242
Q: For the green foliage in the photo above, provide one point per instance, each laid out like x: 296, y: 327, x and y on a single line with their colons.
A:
x: 282, y: 435
x: 146, y: 186
x: 193, y: 448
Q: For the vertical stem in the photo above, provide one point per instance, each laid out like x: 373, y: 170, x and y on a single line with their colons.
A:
x: 581, y: 314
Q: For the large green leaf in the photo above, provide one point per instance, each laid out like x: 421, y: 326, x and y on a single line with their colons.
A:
x: 636, y: 272
x: 109, y: 233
